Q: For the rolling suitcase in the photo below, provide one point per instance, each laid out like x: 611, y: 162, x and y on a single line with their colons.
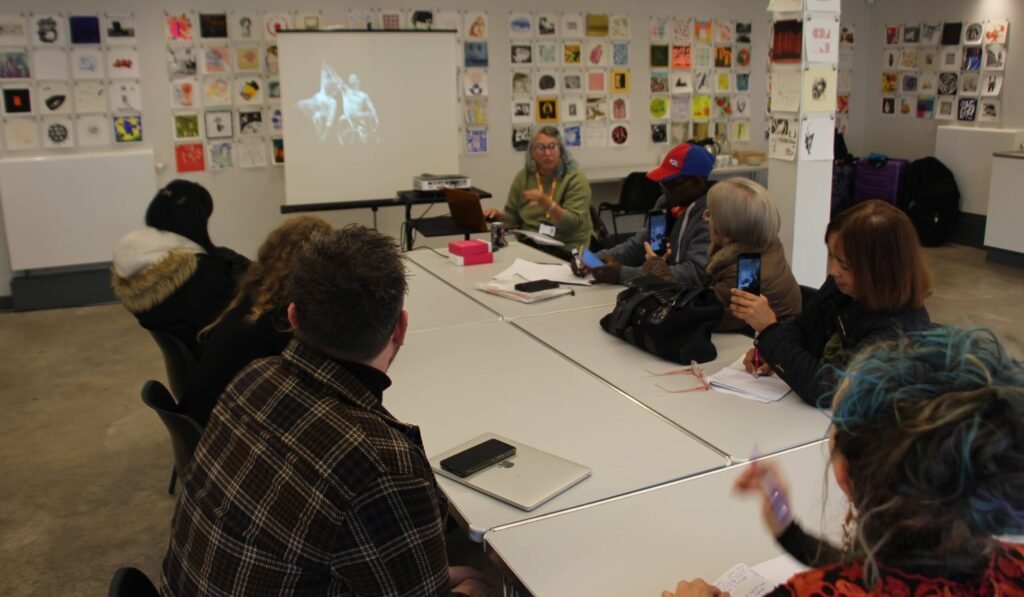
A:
x: 883, y: 181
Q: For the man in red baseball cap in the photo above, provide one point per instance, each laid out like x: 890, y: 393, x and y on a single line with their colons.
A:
x: 683, y: 177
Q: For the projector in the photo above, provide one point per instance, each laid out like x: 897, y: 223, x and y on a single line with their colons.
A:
x: 439, y: 182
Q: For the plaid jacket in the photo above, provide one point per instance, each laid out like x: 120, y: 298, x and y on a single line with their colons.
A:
x: 303, y: 484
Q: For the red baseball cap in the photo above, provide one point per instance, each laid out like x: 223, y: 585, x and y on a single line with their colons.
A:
x: 684, y: 160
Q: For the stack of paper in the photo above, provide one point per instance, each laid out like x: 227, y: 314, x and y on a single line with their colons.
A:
x: 539, y: 238
x: 506, y: 288
x: 743, y: 581
x: 735, y: 379
x: 528, y: 271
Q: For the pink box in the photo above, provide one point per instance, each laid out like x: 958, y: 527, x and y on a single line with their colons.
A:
x: 475, y: 259
x: 469, y: 247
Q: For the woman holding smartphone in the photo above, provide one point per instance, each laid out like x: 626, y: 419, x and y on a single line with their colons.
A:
x: 876, y: 286
x: 742, y: 220
x: 928, y: 446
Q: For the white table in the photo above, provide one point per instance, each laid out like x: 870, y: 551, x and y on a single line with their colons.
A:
x: 456, y: 383
x: 731, y: 424
x: 645, y: 543
x: 433, y: 304
x: 464, y: 279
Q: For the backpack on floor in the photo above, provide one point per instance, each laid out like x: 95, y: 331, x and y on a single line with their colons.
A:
x: 932, y: 200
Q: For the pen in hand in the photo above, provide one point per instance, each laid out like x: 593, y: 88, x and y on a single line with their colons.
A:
x: 757, y: 362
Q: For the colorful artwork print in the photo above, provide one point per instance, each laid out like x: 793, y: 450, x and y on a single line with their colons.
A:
x: 189, y: 157
x: 178, y: 27
x: 128, y: 128
x: 186, y: 126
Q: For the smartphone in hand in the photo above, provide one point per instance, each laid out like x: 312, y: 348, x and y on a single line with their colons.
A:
x: 748, y: 272
x: 657, y: 231
x: 591, y: 260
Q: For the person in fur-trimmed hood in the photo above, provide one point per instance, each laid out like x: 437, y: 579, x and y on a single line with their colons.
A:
x: 742, y: 219
x: 169, y: 275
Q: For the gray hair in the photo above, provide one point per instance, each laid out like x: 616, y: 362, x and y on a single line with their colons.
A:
x: 744, y: 212
x: 566, y: 164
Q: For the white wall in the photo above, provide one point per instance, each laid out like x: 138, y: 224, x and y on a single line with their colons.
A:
x: 248, y: 201
x: 913, y: 138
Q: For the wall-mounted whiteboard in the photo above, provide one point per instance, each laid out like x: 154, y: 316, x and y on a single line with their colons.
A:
x: 71, y: 209
x: 365, y: 111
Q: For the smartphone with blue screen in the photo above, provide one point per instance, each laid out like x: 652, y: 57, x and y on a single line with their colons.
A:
x: 748, y: 272
x: 591, y: 260
x: 657, y: 230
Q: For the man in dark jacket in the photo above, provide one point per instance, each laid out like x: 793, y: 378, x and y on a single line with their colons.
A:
x: 683, y: 177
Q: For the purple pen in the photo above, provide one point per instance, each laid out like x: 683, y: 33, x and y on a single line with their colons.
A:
x: 777, y: 499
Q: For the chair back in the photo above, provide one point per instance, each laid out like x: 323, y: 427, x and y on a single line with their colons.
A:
x: 639, y: 193
x: 183, y: 429
x: 178, y: 360
x: 131, y: 582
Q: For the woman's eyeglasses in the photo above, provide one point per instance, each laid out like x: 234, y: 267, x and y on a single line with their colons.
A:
x: 545, y: 147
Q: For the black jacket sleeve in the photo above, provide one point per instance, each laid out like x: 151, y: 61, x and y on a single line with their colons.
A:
x: 809, y: 550
x: 784, y: 347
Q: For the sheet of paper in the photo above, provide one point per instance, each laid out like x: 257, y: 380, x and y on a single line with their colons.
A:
x: 817, y: 137
x: 786, y: 91
x: 522, y: 271
x: 742, y: 581
x: 821, y: 40
x: 782, y: 141
x: 779, y: 569
x: 735, y: 380
x: 506, y: 288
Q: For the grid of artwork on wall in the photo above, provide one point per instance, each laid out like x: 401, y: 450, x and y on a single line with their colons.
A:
x: 945, y: 71
x: 224, y: 90
x: 69, y: 80
x: 571, y: 70
x: 699, y: 80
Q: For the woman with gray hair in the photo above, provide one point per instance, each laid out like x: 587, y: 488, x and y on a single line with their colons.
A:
x: 550, y: 195
x: 742, y: 219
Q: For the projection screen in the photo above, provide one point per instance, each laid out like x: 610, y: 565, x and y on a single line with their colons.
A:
x: 365, y: 111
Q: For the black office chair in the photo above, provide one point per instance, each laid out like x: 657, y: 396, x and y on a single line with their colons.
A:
x: 184, y: 430
x: 807, y: 293
x: 178, y: 360
x: 638, y: 196
x: 131, y: 582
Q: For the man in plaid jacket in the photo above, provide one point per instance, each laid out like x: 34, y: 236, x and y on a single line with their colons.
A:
x: 303, y: 483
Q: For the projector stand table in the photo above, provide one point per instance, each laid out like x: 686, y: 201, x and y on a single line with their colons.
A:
x: 435, y: 226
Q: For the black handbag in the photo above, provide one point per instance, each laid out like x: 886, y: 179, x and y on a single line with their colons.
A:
x: 666, y: 319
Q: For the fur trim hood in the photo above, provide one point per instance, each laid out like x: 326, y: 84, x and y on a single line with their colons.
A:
x: 150, y: 265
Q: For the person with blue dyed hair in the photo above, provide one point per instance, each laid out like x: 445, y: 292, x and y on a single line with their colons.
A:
x: 928, y: 445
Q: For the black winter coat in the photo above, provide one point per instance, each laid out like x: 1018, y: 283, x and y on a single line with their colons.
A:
x: 796, y: 350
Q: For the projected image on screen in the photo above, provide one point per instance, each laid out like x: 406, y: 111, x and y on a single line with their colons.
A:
x: 340, y: 110
x: 366, y: 111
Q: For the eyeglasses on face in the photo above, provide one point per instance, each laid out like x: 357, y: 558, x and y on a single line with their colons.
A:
x: 545, y: 147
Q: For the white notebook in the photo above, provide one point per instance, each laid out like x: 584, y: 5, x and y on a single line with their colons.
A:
x: 525, y: 480
x: 735, y: 379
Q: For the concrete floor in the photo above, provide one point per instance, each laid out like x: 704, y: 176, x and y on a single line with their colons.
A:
x: 84, y: 464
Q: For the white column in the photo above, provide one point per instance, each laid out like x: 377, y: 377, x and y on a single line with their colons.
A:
x: 803, y: 103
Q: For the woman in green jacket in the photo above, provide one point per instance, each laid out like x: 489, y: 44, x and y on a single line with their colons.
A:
x: 549, y: 191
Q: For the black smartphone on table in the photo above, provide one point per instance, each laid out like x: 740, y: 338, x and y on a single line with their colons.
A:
x: 748, y: 272
x: 478, y: 457
x: 536, y: 285
x: 657, y: 231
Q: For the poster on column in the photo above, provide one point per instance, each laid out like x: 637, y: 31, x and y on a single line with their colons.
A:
x: 821, y: 40
x: 782, y: 139
x: 786, y: 91
x: 817, y: 134
x: 786, y: 5
x: 823, y: 5
x: 819, y: 90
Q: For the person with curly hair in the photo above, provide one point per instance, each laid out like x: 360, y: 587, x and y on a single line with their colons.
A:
x: 255, y: 324
x: 928, y: 446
